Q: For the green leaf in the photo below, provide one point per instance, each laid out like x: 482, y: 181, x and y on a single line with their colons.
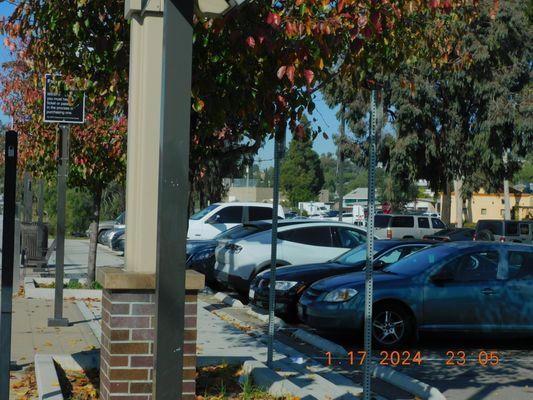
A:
x: 76, y: 28
x: 118, y: 46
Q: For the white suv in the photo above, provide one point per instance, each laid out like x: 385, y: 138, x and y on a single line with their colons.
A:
x: 239, y: 261
x: 389, y: 226
x: 219, y: 217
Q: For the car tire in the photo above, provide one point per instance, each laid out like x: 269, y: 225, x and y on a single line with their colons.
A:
x: 485, y: 235
x: 392, y: 326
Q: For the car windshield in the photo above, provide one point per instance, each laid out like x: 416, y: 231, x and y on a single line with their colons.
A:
x: 358, y: 254
x: 121, y: 219
x: 239, y: 232
x: 420, y: 260
x: 204, y: 212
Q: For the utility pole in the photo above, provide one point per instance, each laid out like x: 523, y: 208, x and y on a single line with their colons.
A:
x: 340, y: 164
x: 372, y: 141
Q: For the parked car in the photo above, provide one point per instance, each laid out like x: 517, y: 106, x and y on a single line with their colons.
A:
x: 115, y: 236
x: 121, y: 242
x: 239, y: 261
x: 219, y: 217
x: 291, y: 281
x: 452, y: 235
x: 457, y: 286
x: 504, y: 231
x: 105, y: 226
x: 201, y: 253
x: 400, y: 226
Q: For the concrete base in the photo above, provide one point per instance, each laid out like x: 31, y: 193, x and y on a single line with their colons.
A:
x: 58, y: 322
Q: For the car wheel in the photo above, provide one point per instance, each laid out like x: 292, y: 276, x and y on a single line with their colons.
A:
x: 485, y: 235
x: 392, y: 326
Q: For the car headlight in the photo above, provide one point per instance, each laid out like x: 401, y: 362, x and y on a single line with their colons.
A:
x: 338, y: 295
x: 283, y: 286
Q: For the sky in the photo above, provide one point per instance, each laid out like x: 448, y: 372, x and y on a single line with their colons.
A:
x: 325, y: 117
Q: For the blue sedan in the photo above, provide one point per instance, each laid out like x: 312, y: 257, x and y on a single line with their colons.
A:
x: 459, y: 286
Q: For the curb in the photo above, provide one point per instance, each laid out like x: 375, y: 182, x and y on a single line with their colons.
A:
x: 320, y: 343
x: 263, y: 316
x: 46, y: 378
x: 227, y: 299
x: 94, y: 322
x: 271, y: 381
x: 386, y: 374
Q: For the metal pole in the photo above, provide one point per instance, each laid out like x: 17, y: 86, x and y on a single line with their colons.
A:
x: 506, y: 200
x: 8, y: 247
x: 28, y: 198
x: 370, y: 248
x: 340, y: 166
x: 173, y: 192
x: 40, y: 211
x: 278, y: 147
x: 62, y: 173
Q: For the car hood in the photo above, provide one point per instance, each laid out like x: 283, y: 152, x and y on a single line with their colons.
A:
x: 312, y: 272
x: 353, y: 280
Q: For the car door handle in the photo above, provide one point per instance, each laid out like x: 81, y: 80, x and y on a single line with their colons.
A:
x: 488, y: 291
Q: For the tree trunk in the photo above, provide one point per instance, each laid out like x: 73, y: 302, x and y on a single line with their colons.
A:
x: 458, y: 189
x: 93, y: 238
x: 445, y: 211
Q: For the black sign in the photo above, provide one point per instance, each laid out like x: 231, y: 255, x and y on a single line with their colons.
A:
x: 58, y: 107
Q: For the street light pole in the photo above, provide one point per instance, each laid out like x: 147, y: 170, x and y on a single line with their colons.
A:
x: 173, y: 192
x: 370, y: 248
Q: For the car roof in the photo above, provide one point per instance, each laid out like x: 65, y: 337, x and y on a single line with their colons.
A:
x: 244, y: 203
x: 313, y: 223
x: 486, y: 244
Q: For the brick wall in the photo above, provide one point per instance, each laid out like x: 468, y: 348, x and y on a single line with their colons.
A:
x: 126, y: 365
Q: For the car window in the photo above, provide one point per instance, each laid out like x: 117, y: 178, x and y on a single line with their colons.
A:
x: 524, y: 229
x: 437, y: 223
x: 402, y: 222
x: 348, y: 238
x: 421, y: 260
x: 493, y: 226
x: 259, y: 213
x: 313, y: 236
x: 229, y: 215
x: 239, y: 232
x: 358, y: 254
x: 399, y: 253
x: 511, y: 228
x: 423, y: 222
x: 479, y: 266
x: 520, y: 265
x: 381, y: 221
x: 204, y: 212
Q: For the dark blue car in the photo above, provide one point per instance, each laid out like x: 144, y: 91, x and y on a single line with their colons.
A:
x: 459, y: 286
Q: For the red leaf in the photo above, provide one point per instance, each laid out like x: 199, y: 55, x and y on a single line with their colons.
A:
x: 309, y: 76
x: 250, y: 41
x: 375, y: 18
x: 290, y: 73
x: 273, y: 20
x: 433, y: 3
x: 340, y: 6
x: 300, y: 131
x: 281, y: 101
x: 281, y: 71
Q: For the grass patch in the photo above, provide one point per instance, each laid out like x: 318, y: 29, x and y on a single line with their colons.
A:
x: 221, y: 382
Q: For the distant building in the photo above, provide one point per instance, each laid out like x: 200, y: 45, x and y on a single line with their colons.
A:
x: 358, y: 196
x: 250, y: 193
x: 484, y: 205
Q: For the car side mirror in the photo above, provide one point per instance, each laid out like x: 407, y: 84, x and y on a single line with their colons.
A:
x: 213, y: 220
x: 379, y: 264
x: 441, y: 277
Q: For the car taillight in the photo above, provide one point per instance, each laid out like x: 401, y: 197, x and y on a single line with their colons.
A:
x: 474, y: 237
x: 502, y: 239
x: 389, y: 233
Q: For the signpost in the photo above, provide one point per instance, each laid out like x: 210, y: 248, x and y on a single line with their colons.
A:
x: 64, y: 109
x: 8, y: 254
x: 370, y: 248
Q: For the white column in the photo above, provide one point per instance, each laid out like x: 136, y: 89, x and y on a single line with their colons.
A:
x: 146, y: 51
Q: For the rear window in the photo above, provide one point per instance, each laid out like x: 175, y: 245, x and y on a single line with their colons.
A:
x: 312, y: 236
x: 493, y: 226
x: 402, y: 222
x: 524, y: 229
x: 511, y: 228
x: 381, y: 221
x: 259, y: 213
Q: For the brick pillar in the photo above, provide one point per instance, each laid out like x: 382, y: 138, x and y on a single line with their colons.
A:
x: 128, y: 322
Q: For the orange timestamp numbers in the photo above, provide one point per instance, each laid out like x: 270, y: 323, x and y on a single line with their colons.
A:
x: 404, y: 358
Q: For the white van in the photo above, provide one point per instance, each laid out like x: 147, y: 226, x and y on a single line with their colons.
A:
x: 218, y: 217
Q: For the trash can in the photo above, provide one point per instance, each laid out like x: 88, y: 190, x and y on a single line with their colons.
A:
x: 34, y: 242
